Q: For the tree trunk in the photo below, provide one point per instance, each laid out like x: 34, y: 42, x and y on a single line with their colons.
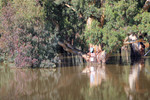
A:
x: 100, y: 57
x: 89, y: 22
x: 137, y: 46
x: 103, y: 14
x: 146, y: 5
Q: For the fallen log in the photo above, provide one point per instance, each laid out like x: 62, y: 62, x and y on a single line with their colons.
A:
x: 99, y: 57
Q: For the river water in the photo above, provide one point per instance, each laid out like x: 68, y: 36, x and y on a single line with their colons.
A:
x: 118, y: 79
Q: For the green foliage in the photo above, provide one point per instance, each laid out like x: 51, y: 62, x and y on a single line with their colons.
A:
x: 94, y: 34
x: 0, y: 4
x: 30, y: 42
x: 28, y: 12
x: 121, y: 18
x: 143, y: 22
x: 4, y: 3
x: 37, y: 25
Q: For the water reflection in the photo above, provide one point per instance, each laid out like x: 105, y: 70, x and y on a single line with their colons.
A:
x: 135, y: 71
x: 96, y: 73
x: 104, y: 84
x: 28, y: 84
x: 137, y: 81
x: 131, y: 82
x: 92, y: 81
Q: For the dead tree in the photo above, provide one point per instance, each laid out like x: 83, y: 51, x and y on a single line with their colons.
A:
x: 146, y: 5
x: 136, y: 45
x: 100, y: 57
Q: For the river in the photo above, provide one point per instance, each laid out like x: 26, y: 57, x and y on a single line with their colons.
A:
x: 118, y: 79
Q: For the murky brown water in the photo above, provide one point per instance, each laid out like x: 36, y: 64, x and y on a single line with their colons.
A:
x: 119, y: 79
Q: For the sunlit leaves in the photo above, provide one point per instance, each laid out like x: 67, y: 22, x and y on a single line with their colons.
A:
x: 28, y: 10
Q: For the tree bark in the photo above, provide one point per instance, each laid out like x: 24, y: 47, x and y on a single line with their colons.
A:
x: 103, y: 14
x: 137, y: 46
x: 70, y: 7
x: 146, y: 5
x: 100, y: 57
x: 89, y: 22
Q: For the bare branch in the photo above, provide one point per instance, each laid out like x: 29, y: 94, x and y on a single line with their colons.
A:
x: 101, y: 56
x: 70, y: 7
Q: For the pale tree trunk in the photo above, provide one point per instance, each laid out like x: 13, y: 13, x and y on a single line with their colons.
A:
x: 146, y: 5
x: 137, y: 47
x: 100, y: 57
x: 89, y: 22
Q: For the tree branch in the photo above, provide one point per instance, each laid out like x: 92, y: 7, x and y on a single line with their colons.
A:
x: 100, y: 57
x: 146, y: 5
x: 70, y: 7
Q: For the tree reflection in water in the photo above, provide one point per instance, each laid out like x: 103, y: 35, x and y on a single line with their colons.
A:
x: 136, y: 87
x: 29, y: 84
x: 111, y: 81
x: 96, y: 73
